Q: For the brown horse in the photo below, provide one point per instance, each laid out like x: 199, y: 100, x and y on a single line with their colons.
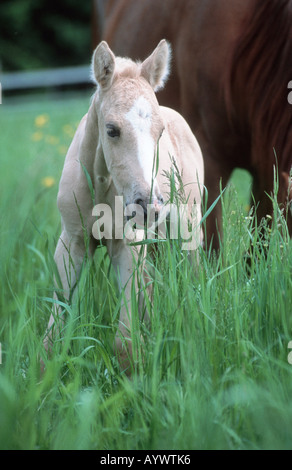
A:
x: 232, y: 62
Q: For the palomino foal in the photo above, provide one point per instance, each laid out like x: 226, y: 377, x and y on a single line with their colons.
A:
x: 116, y: 146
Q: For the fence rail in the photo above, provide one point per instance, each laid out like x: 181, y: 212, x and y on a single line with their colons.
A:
x: 45, y: 78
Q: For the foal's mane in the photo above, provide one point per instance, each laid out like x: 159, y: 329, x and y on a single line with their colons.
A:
x: 259, y: 75
x: 127, y: 68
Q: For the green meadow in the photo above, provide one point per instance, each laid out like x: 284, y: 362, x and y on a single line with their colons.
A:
x: 213, y: 371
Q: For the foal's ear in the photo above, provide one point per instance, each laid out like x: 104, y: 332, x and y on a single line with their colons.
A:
x: 103, y: 65
x: 156, y: 67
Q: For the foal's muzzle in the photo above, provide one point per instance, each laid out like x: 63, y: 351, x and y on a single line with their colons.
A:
x: 144, y: 211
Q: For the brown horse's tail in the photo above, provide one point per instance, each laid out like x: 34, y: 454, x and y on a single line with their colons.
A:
x: 260, y: 71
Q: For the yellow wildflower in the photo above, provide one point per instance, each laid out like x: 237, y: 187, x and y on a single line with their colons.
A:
x: 41, y: 120
x: 52, y: 140
x: 48, y: 181
x: 37, y: 136
x: 69, y: 130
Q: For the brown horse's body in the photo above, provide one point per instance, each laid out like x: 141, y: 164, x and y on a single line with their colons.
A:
x: 231, y: 69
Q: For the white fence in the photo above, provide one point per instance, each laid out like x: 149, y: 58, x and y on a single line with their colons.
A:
x: 44, y: 78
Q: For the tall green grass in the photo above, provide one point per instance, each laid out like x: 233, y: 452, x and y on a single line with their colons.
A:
x: 213, y: 370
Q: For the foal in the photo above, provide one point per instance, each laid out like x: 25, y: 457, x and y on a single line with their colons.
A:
x: 115, y: 147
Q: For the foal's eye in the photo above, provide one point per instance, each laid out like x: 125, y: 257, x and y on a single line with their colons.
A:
x: 113, y: 131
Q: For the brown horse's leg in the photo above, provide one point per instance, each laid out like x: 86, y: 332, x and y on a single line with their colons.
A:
x: 285, y: 196
x: 262, y: 194
x: 216, y: 178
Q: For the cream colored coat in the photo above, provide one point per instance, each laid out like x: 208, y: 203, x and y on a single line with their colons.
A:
x: 115, y: 145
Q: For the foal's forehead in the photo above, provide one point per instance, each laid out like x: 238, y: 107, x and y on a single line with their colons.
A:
x: 140, y: 114
x: 140, y: 107
x: 132, y: 96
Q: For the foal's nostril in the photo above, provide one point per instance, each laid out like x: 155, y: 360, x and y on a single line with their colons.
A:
x: 143, y: 204
x: 151, y: 210
x: 140, y: 202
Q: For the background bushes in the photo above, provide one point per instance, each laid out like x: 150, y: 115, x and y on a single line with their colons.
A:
x: 44, y: 34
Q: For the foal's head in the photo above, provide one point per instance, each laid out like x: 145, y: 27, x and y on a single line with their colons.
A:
x: 129, y: 120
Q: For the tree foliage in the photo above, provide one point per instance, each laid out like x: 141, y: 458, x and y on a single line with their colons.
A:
x: 41, y: 33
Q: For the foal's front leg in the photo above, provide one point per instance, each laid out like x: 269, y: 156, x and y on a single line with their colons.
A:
x: 124, y: 260
x: 69, y: 256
